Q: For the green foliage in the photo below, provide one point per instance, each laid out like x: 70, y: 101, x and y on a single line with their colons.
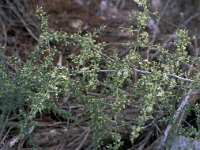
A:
x: 36, y: 85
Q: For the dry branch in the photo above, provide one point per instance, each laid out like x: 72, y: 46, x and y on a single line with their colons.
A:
x: 177, y: 119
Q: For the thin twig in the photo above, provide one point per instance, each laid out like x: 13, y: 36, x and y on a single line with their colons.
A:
x: 4, y: 126
x: 139, y: 71
x: 163, y: 12
x: 4, y: 32
x: 180, y: 78
x: 17, y: 138
x: 83, y: 141
x: 24, y: 23
x: 176, y: 119
x: 189, y: 19
x: 144, y: 142
x: 77, y: 139
x: 63, y: 142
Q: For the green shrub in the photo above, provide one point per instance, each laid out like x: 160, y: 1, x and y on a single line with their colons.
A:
x: 33, y: 87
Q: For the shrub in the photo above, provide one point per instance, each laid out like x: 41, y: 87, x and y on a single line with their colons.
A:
x: 33, y: 87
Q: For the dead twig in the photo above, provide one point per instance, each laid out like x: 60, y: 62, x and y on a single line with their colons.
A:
x: 143, y: 143
x: 189, y: 19
x: 3, y: 127
x: 177, y: 119
x: 24, y: 23
x: 138, y: 71
x: 77, y: 139
x: 83, y: 141
x: 16, y: 139
x: 4, y: 32
x: 163, y: 12
x: 63, y: 142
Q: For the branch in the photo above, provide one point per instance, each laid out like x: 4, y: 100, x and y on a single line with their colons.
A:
x: 180, y: 78
x: 139, y: 71
x: 16, y: 139
x: 84, y: 139
x: 176, y: 119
